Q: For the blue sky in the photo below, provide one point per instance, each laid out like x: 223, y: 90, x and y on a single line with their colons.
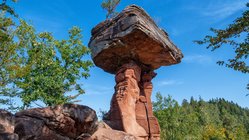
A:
x: 197, y: 75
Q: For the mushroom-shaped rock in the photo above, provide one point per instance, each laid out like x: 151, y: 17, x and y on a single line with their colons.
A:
x: 132, y: 35
x: 132, y: 46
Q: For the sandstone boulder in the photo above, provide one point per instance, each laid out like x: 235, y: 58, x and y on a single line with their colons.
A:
x: 109, y: 134
x: 105, y: 132
x: 62, y: 122
x: 7, y: 120
x: 132, y: 35
x: 8, y: 136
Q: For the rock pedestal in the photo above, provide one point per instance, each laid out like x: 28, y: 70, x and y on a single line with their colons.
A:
x: 144, y: 113
x: 132, y: 46
x: 131, y: 107
x: 123, y: 104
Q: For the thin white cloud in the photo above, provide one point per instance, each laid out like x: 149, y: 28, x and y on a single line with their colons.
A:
x: 223, y: 10
x: 201, y: 59
x: 169, y: 83
x: 220, y: 9
x: 98, y: 89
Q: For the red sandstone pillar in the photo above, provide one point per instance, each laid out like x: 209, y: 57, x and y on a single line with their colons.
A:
x: 123, y: 105
x: 131, y: 107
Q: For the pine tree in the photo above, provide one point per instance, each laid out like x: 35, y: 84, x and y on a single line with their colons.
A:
x: 216, y: 119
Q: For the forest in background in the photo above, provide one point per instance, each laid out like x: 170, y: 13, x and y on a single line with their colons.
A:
x: 216, y: 119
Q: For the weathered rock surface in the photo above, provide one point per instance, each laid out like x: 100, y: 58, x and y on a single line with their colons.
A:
x: 8, y: 136
x: 132, y: 35
x: 7, y: 121
x: 132, y: 46
x: 104, y: 132
x: 124, y: 100
x: 62, y: 122
x: 131, y: 107
x: 144, y: 112
x: 109, y: 134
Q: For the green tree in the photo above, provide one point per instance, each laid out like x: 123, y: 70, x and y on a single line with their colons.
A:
x: 167, y: 111
x: 217, y: 119
x: 7, y: 55
x: 235, y: 35
x: 110, y: 7
x: 36, y: 66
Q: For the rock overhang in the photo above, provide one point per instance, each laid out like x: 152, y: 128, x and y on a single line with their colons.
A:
x: 132, y: 35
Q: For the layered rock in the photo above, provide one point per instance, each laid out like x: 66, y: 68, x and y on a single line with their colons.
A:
x: 104, y: 132
x: 132, y: 46
x: 122, y: 115
x: 63, y: 122
x: 7, y: 122
x: 109, y: 134
x: 131, y: 107
x: 132, y: 34
x: 144, y: 113
x: 60, y: 122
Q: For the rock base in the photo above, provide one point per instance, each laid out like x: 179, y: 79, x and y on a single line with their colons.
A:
x: 62, y: 122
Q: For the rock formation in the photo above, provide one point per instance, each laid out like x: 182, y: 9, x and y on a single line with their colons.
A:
x: 131, y: 46
x: 62, y: 122
x: 104, y: 132
x: 7, y: 126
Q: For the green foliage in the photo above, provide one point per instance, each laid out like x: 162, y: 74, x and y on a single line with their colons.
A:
x: 110, y: 6
x: 7, y: 8
x: 199, y: 120
x: 235, y: 35
x: 35, y: 66
x: 7, y: 55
